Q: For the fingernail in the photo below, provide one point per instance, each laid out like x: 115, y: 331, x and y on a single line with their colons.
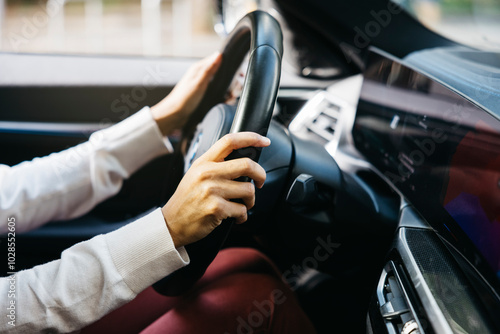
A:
x: 266, y: 140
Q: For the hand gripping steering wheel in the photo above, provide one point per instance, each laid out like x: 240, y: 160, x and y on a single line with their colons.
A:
x: 259, y: 34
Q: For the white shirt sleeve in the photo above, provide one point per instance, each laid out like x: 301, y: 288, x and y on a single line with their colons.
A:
x: 70, y: 183
x: 91, y: 279
x: 97, y: 276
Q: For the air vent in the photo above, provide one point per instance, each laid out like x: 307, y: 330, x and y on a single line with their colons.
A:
x: 320, y: 116
x: 395, y: 306
x: 325, y: 122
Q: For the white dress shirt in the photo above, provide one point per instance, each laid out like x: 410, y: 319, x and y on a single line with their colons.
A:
x: 97, y: 276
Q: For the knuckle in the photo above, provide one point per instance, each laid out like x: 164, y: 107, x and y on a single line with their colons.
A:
x: 250, y: 189
x: 262, y: 173
x: 259, y: 171
x: 215, y: 209
x: 214, y: 223
x: 243, y: 215
x: 229, y: 140
x: 250, y: 203
x: 219, y: 211
x: 247, y: 165
x: 198, y: 174
x: 205, y: 172
x: 206, y: 190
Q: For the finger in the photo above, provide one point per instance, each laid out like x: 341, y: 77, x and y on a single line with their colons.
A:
x: 213, y: 64
x: 204, y: 71
x: 227, y: 144
x: 236, y: 168
x: 207, y: 67
x: 230, y: 190
x: 237, y: 211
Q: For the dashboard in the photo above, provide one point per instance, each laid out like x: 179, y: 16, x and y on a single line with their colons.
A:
x: 440, y: 152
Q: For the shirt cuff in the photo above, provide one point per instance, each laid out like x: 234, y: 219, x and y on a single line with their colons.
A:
x: 134, y: 141
x: 143, y: 251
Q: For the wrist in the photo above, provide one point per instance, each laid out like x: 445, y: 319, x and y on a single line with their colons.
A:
x: 173, y: 232
x: 166, y: 117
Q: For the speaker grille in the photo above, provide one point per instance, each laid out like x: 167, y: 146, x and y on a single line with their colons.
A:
x: 449, y: 286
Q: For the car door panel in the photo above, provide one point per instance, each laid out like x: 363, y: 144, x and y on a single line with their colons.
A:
x: 50, y: 103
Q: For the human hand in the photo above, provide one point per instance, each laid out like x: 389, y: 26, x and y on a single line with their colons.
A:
x: 203, y: 198
x: 173, y: 111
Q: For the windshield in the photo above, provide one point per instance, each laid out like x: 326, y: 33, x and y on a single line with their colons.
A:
x: 123, y: 27
x: 472, y: 22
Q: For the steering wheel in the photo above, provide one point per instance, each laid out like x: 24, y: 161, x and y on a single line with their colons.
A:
x: 258, y: 34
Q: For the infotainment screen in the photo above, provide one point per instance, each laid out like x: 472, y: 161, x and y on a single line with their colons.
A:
x: 441, y: 151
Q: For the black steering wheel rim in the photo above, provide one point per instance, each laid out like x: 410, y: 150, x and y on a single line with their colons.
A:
x: 259, y: 34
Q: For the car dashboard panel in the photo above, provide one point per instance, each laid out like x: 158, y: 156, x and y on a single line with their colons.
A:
x: 439, y: 150
x: 442, y: 153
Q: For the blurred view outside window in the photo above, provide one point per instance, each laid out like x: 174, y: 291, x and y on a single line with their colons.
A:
x: 186, y: 27
x: 127, y: 27
x: 472, y: 22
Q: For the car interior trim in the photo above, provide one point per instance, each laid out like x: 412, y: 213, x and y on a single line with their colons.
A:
x: 49, y: 128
